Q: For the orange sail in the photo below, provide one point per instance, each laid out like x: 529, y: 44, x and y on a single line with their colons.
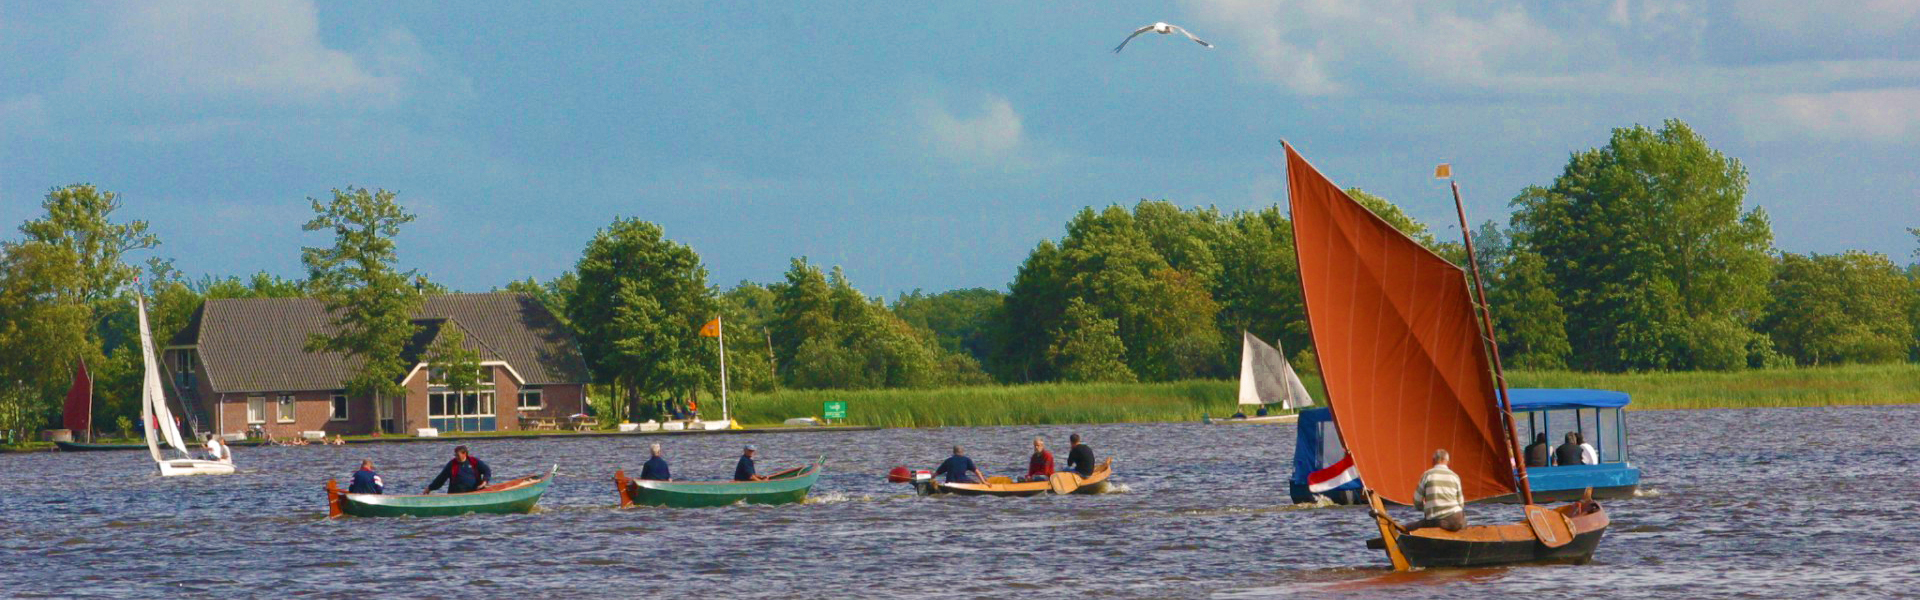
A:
x: 1399, y: 346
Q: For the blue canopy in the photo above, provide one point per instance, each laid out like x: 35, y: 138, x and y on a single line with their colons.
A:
x: 1306, y: 446
x: 1532, y: 399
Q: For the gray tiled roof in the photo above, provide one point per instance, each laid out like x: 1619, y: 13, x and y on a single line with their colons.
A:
x: 258, y: 345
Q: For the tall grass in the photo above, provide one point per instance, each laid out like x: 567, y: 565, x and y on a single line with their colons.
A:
x: 1187, y: 400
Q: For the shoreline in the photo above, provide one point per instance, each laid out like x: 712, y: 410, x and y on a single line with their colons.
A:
x: 397, y: 439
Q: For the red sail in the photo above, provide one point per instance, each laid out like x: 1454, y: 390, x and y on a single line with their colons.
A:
x: 1399, y: 346
x: 77, y: 413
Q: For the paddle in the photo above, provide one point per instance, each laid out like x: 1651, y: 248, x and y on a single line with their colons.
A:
x: 1064, y: 482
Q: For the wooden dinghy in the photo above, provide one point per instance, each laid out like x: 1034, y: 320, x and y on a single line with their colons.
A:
x: 80, y: 447
x: 515, y: 496
x: 785, y: 487
x: 1408, y: 357
x: 1065, y: 482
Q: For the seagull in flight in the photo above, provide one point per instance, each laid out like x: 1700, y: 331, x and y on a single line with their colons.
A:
x: 1162, y: 29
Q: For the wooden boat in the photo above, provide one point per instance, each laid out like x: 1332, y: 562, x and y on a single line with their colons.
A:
x: 1408, y: 357
x: 79, y: 447
x: 515, y: 496
x: 1064, y: 482
x: 785, y: 487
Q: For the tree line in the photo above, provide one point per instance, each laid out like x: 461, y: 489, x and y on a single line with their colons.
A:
x: 1642, y: 254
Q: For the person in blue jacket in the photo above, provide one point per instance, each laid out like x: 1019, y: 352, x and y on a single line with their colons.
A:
x: 960, y: 469
x: 743, y: 470
x: 463, y: 474
x: 656, y: 467
x: 366, y: 480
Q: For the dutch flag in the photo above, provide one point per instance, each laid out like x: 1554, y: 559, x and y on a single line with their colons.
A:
x: 1334, y: 476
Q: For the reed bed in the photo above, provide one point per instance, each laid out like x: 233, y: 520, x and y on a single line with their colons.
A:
x: 1063, y: 403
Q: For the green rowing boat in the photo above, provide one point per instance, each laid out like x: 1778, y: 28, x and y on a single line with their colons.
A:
x: 516, y: 496
x: 785, y: 487
x: 79, y: 447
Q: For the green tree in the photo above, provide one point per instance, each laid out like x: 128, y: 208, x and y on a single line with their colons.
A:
x: 79, y: 219
x: 44, y: 330
x: 1259, y: 284
x: 959, y: 320
x: 1648, y: 248
x: 1087, y: 347
x: 371, y: 304
x: 1531, y: 325
x: 1840, y: 308
x: 450, y: 362
x: 637, y: 308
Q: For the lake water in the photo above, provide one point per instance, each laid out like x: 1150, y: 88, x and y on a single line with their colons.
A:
x: 1736, y: 503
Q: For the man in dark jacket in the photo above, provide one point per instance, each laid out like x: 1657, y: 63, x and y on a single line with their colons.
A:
x: 366, y: 480
x: 743, y: 470
x: 656, y: 467
x: 1568, y: 453
x: 1539, y: 453
x: 1080, y: 457
x: 960, y: 469
x: 463, y: 474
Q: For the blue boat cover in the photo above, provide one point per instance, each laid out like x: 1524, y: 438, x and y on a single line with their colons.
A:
x: 1526, y: 399
x: 1306, y: 446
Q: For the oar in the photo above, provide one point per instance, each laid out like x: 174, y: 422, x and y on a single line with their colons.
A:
x: 1064, y: 482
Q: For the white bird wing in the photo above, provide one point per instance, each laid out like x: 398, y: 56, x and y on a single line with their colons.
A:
x: 1190, y: 36
x: 1136, y: 33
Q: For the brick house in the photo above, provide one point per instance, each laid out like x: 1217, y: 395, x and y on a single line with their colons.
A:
x: 241, y: 364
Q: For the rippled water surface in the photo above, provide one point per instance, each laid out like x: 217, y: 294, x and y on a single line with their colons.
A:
x: 1737, y: 503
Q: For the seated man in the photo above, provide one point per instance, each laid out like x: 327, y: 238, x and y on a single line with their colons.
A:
x: 960, y: 469
x: 1262, y: 412
x: 656, y: 467
x: 1539, y: 453
x: 1588, y: 455
x: 1040, y: 465
x: 463, y: 474
x: 1439, y: 498
x: 743, y: 470
x: 1569, y: 452
x: 218, y: 451
x: 366, y: 480
x: 1079, y: 456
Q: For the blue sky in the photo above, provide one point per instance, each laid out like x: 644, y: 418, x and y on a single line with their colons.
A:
x: 928, y: 148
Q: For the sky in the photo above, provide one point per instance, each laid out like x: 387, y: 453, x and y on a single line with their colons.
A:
x: 929, y: 148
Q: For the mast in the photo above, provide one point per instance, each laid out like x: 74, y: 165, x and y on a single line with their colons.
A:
x: 724, y: 415
x: 1493, y: 347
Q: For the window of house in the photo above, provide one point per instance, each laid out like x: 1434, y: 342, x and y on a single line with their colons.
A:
x: 184, y: 372
x: 530, y: 399
x: 339, y: 408
x: 486, y: 375
x: 256, y: 410
x: 436, y: 376
x: 284, y: 414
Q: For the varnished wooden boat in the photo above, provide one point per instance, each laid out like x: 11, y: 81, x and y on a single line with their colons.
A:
x: 80, y: 447
x: 1562, y: 534
x: 1065, y: 482
x: 514, y: 496
x: 784, y: 487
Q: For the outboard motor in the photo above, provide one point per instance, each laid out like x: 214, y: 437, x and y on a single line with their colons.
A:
x: 921, y: 479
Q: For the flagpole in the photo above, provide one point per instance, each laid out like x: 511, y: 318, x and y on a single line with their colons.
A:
x: 724, y: 414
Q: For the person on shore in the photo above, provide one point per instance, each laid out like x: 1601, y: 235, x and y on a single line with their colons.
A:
x: 743, y: 470
x: 960, y: 469
x: 366, y: 480
x: 463, y: 474
x: 1079, y: 457
x: 1040, y: 465
x: 1539, y: 453
x: 656, y: 467
x: 1588, y: 455
x: 1568, y: 453
x: 1439, y: 498
x: 216, y: 450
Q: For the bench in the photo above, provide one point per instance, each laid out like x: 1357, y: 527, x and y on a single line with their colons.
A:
x: 539, y: 423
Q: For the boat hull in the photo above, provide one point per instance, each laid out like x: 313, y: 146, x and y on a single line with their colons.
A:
x: 1270, y: 420
x: 1511, y: 543
x: 1609, y: 481
x: 786, y: 487
x: 79, y: 447
x: 187, y: 466
x: 516, y: 496
x: 1092, y: 484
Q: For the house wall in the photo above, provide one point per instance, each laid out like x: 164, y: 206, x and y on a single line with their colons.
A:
x: 312, y: 411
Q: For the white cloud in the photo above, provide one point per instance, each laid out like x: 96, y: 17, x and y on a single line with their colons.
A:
x: 992, y: 134
x: 1886, y: 115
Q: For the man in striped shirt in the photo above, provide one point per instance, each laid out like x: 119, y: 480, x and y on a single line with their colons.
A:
x: 1439, y: 498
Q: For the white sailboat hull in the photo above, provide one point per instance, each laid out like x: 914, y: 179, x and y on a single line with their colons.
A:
x: 189, y: 466
x: 1269, y: 419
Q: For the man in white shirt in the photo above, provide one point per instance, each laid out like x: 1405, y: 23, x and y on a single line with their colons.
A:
x: 1588, y: 455
x: 218, y: 451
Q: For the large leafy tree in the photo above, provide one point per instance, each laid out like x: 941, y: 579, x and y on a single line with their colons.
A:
x: 1840, y: 308
x: 79, y: 218
x: 450, y: 362
x: 1647, y: 244
x: 43, y: 331
x: 959, y: 320
x: 637, y: 307
x: 842, y: 339
x: 371, y: 302
x: 1087, y: 347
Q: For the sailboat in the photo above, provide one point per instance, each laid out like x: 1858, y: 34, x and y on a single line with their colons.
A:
x: 1408, y: 367
x: 1266, y: 378
x: 77, y: 415
x: 159, y: 419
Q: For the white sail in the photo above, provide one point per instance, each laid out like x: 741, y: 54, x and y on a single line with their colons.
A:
x: 1267, y: 378
x: 154, y: 396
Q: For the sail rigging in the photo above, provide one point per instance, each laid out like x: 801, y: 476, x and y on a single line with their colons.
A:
x: 1267, y: 378
x: 1399, y: 345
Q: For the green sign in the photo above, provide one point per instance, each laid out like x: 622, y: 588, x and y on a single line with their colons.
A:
x: 835, y: 410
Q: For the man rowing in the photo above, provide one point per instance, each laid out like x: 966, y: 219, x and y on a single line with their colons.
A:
x: 1080, y: 457
x: 743, y: 470
x: 960, y: 469
x: 656, y: 467
x: 463, y: 474
x: 366, y: 480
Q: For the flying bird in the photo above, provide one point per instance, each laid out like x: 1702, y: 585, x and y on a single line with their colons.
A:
x: 1162, y: 29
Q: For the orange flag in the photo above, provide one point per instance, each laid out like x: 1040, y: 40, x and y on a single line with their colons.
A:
x: 711, y: 329
x: 1444, y: 171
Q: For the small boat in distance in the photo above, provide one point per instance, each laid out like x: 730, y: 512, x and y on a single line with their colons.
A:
x: 785, y: 487
x: 159, y: 419
x: 1266, y: 378
x: 80, y: 447
x: 1598, y: 415
x: 1062, y: 482
x: 513, y: 496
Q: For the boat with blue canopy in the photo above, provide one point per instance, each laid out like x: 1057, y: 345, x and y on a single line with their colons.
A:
x: 1597, y: 416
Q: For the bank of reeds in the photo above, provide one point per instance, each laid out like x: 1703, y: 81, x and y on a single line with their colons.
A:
x: 1188, y: 400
